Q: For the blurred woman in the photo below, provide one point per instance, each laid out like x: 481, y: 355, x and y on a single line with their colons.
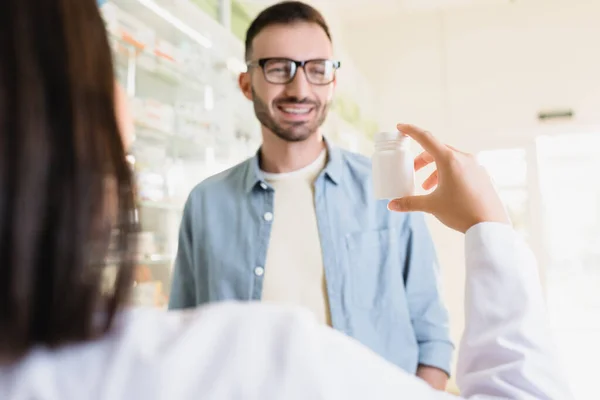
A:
x: 65, y: 187
x: 67, y: 208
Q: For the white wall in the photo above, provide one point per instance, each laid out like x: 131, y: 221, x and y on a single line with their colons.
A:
x: 475, y: 73
x: 350, y: 79
x: 477, y: 77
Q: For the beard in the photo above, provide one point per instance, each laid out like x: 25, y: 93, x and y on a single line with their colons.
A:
x: 291, y: 131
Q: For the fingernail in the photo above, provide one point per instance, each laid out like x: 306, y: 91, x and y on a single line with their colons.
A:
x: 400, y: 128
x: 392, y: 206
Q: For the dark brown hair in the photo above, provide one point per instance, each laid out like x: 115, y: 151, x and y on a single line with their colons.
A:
x: 65, y: 186
x: 287, y: 12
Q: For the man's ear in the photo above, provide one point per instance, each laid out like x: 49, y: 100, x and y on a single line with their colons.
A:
x: 244, y: 81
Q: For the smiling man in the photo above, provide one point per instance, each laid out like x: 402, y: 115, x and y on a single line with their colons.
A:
x: 297, y: 224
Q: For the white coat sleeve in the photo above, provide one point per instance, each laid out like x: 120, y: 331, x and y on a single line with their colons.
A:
x: 507, y: 350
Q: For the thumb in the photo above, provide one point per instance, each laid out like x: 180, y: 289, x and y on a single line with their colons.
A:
x: 410, y: 204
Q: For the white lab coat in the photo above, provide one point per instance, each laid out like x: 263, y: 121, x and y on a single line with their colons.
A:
x: 262, y: 352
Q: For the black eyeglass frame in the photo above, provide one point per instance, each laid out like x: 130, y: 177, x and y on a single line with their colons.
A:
x: 261, y: 62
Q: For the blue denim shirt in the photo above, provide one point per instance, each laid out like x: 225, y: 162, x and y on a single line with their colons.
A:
x: 380, y: 267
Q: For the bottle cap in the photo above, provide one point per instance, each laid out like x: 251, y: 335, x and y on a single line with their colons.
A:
x: 389, y: 136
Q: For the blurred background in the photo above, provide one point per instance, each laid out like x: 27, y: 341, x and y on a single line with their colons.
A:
x: 515, y: 81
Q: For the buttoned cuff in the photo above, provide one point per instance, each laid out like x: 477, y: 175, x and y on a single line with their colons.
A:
x: 436, y: 354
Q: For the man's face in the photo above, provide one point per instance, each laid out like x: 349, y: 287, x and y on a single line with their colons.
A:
x: 292, y: 111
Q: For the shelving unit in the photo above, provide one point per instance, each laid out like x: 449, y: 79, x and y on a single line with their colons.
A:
x: 180, y: 70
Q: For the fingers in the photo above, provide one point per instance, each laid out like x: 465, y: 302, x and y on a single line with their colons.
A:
x: 410, y: 204
x: 457, y: 150
x: 429, y: 143
x: 432, y: 181
x: 422, y: 160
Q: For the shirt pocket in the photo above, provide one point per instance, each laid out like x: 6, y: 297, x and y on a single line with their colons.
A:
x: 376, y: 262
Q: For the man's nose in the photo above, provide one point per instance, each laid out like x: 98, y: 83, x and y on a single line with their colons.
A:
x: 299, y: 87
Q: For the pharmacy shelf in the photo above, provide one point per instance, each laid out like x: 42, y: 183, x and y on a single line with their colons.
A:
x: 149, y: 260
x: 169, y: 21
x: 179, y: 69
x: 175, y: 145
x: 152, y: 63
x: 156, y: 260
x: 166, y: 206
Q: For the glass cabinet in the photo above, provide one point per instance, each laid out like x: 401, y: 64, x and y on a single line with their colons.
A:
x: 191, y: 121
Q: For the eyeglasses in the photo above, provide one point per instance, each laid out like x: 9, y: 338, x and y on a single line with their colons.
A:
x: 282, y: 71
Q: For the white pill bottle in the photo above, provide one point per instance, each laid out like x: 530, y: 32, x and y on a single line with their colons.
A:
x: 393, y: 166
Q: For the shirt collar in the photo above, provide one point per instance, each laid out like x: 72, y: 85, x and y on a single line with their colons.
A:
x: 333, y: 168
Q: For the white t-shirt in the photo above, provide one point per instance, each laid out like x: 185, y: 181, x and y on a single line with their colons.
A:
x: 294, y: 272
x: 255, y: 351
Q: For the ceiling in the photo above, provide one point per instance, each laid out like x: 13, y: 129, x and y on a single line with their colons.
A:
x: 353, y: 9
x: 409, y: 5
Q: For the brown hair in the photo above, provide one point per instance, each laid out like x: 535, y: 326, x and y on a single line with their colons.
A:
x: 287, y: 12
x: 60, y: 152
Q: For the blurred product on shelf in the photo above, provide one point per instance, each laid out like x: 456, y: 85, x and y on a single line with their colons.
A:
x: 146, y: 245
x: 142, y: 274
x: 194, y: 60
x: 151, y: 186
x: 151, y: 113
x: 167, y: 51
x: 125, y: 26
x: 193, y: 119
x: 148, y: 294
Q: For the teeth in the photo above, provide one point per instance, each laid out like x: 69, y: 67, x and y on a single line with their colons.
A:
x: 296, y: 110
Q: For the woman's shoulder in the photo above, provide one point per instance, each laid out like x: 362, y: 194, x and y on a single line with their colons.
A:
x: 215, y: 350
x: 222, y: 350
x: 159, y: 331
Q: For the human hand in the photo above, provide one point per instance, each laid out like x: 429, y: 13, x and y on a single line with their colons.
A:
x: 464, y: 196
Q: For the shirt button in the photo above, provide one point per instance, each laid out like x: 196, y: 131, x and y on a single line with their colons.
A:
x: 263, y: 186
x: 268, y: 216
x: 259, y: 271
